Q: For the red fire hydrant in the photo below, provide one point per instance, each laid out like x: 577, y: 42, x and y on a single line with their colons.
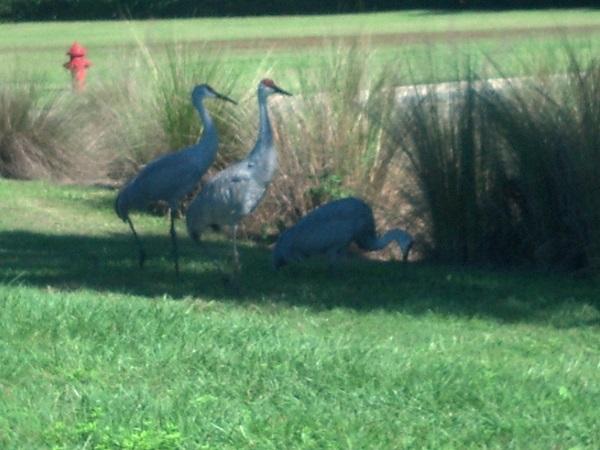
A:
x: 78, y: 65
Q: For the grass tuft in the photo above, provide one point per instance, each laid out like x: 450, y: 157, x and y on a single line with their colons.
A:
x: 33, y: 133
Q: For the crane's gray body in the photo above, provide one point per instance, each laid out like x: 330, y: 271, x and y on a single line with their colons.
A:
x: 170, y: 177
x: 237, y: 190
x: 232, y: 194
x: 331, y: 228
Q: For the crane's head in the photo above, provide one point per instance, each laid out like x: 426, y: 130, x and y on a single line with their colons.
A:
x: 268, y: 87
x: 203, y: 91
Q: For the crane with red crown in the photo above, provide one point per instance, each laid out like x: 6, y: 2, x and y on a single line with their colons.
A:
x: 237, y: 190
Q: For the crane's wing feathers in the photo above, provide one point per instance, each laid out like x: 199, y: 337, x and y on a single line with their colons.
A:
x: 237, y: 173
x: 239, y: 179
x: 183, y: 161
x: 229, y: 196
x: 329, y: 228
x: 167, y: 178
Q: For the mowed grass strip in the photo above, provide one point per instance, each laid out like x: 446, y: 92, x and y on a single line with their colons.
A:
x: 516, y: 41
x: 36, y: 34
x: 97, y: 353
x: 109, y: 369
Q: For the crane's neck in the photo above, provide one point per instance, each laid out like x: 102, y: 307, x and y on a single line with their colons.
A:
x: 379, y: 243
x: 264, y: 142
x: 209, y: 131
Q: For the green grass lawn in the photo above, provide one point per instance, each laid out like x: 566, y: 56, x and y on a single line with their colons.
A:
x: 55, y: 34
x: 96, y: 353
x: 36, y: 50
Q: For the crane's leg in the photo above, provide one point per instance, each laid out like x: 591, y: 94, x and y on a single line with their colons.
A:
x: 142, y: 252
x: 332, y: 256
x: 232, y: 280
x: 196, y: 236
x: 406, y: 251
x: 236, y: 256
x: 173, y: 212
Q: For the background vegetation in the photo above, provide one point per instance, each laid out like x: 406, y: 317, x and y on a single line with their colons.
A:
x: 114, y: 9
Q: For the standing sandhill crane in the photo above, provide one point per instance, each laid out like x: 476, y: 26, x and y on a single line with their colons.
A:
x: 331, y: 228
x: 170, y: 177
x: 237, y: 190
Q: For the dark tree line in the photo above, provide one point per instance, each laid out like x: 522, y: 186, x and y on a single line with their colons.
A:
x: 18, y: 10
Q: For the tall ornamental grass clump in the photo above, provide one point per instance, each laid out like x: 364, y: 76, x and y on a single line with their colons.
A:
x: 550, y: 130
x: 507, y: 174
x: 34, y: 138
x: 445, y: 134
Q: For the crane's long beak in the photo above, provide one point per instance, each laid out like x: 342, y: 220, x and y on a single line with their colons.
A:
x: 281, y: 91
x: 224, y: 97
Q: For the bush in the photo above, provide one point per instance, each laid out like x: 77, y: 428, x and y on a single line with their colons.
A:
x: 111, y: 9
x: 506, y: 174
x: 551, y: 129
x: 33, y: 133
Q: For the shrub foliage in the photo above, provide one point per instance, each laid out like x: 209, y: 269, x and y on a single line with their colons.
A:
x: 114, y: 9
x: 506, y: 173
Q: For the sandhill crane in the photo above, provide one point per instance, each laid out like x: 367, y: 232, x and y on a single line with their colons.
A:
x: 237, y: 190
x: 170, y: 177
x: 331, y: 228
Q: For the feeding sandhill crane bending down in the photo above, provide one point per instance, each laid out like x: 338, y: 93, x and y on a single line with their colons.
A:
x: 172, y: 176
x: 237, y: 190
x: 331, y: 228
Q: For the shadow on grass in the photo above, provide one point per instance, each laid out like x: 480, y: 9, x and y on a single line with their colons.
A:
x: 109, y: 264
